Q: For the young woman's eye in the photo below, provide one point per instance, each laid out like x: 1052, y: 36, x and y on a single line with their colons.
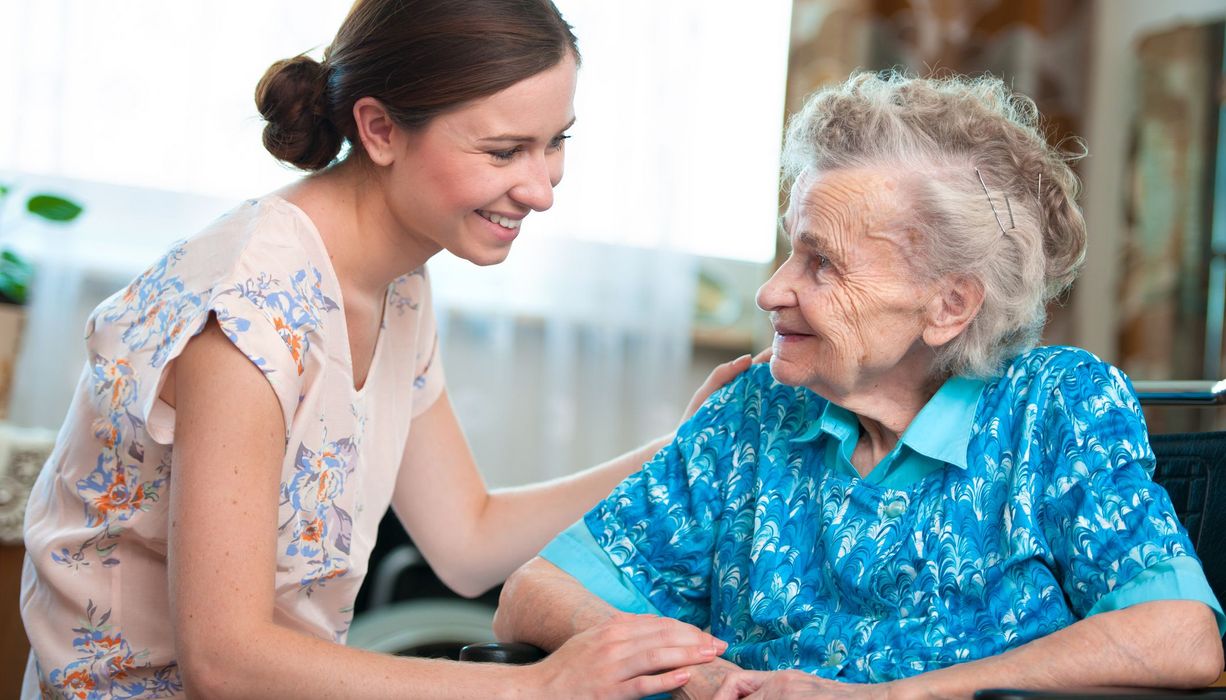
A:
x: 507, y: 154
x: 557, y: 141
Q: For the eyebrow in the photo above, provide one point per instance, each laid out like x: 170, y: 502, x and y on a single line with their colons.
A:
x: 522, y: 139
x: 816, y: 242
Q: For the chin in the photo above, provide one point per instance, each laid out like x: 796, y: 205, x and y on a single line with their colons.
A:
x: 785, y: 372
x: 486, y: 256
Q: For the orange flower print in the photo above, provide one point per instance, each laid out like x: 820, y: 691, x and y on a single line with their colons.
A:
x: 108, y: 667
x: 313, y: 531
x: 79, y: 683
x: 293, y: 338
x: 107, y: 433
x: 118, y: 499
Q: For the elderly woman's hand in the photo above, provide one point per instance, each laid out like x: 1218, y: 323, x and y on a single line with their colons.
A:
x: 778, y: 685
x: 705, y: 680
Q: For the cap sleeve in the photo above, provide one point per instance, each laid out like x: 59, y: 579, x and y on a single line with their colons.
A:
x: 135, y: 336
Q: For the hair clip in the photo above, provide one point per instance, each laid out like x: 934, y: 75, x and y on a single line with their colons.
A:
x: 1038, y: 197
x: 1008, y: 206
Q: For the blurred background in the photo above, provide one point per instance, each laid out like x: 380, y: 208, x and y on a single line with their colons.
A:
x: 615, y: 304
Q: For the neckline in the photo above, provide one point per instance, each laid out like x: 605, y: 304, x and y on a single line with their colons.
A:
x: 346, y: 348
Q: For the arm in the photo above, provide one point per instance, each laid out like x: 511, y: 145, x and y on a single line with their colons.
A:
x: 474, y: 538
x: 543, y: 605
x: 230, y: 442
x: 1161, y: 644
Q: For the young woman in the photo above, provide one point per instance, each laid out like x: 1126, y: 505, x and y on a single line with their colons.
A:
x: 256, y: 400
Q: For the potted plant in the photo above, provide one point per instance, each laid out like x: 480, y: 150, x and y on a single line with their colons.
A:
x: 16, y: 274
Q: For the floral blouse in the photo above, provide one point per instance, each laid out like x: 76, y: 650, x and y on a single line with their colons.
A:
x: 94, y: 589
x: 1040, y: 511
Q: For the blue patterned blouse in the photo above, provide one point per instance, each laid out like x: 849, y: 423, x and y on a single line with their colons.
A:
x: 1009, y: 510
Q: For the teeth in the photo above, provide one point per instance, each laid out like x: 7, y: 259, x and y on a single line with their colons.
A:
x: 501, y: 220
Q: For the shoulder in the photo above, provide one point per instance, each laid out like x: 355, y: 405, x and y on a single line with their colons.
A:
x: 1054, y: 377
x: 258, y: 235
x: 255, y: 268
x: 1080, y: 410
x: 754, y: 403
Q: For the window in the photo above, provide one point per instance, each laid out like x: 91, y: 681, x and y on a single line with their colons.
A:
x: 680, y: 107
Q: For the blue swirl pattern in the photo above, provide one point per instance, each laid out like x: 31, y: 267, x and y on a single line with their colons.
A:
x: 735, y: 527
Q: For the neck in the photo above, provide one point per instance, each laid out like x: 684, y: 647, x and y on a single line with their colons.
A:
x: 887, y: 406
x: 368, y: 246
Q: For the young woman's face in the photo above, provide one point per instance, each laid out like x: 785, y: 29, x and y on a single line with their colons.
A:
x: 465, y: 182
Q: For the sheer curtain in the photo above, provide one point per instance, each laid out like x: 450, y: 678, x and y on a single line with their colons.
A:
x: 574, y: 349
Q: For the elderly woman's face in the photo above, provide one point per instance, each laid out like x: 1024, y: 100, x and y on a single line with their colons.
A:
x: 846, y: 305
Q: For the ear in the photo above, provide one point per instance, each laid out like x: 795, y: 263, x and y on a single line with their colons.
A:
x: 376, y: 130
x: 952, y: 310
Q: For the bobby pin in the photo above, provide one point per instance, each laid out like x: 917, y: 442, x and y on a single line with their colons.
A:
x: 1038, y: 196
x: 1008, y: 206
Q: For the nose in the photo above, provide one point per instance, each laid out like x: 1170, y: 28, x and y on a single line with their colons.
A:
x: 535, y: 186
x: 778, y: 291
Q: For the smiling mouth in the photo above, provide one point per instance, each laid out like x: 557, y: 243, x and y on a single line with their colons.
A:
x: 507, y: 223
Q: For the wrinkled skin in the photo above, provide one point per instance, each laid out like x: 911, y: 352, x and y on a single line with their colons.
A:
x: 853, y: 318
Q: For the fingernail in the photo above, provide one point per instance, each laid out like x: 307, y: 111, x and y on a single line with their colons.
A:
x: 681, y: 677
x: 708, y: 651
x: 742, y: 358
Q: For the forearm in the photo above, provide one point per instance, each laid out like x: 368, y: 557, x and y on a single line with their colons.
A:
x: 269, y: 661
x: 1157, y: 644
x: 545, y: 606
x: 517, y: 523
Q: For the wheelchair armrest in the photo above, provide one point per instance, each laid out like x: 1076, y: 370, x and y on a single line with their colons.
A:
x: 502, y: 653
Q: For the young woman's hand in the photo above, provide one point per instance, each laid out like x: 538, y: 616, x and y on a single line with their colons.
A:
x: 626, y: 656
x: 721, y: 375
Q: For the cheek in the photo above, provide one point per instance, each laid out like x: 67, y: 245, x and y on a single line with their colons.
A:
x: 836, y: 314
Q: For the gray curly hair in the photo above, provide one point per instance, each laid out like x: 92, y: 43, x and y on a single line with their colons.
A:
x: 943, y: 130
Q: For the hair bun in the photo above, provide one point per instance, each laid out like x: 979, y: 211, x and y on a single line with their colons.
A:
x: 292, y: 99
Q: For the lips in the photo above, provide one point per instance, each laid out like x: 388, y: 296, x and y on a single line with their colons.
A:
x: 789, y: 330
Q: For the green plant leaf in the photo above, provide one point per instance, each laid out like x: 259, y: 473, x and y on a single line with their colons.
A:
x: 53, y: 208
x: 4, y: 190
x: 13, y: 290
x: 15, y: 277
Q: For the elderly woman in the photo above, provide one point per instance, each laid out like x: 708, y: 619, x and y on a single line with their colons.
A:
x: 914, y: 500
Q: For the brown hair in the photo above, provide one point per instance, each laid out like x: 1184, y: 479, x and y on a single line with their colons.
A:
x: 420, y: 58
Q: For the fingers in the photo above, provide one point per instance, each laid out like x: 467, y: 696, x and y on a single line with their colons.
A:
x: 647, y: 643
x: 640, y: 662
x: 726, y: 372
x: 650, y: 631
x: 721, y: 375
x: 764, y: 355
x: 631, y: 656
